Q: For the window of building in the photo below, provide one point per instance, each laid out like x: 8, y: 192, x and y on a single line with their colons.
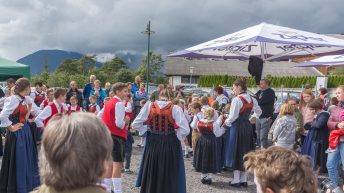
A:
x: 186, y: 79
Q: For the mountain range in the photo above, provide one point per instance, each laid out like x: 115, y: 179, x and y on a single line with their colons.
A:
x: 53, y: 58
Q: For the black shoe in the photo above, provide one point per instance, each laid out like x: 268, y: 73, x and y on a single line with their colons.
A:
x: 209, y: 181
x: 235, y: 185
x: 187, y: 156
x: 204, y: 180
x: 244, y: 184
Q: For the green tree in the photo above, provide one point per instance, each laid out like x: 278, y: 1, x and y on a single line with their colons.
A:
x: 124, y: 75
x: 156, y: 64
x: 58, y: 79
x: 113, y: 65
x: 70, y: 66
x: 45, y: 74
x: 87, y: 63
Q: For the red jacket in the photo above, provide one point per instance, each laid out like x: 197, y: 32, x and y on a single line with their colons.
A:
x: 54, y: 112
x: 109, y: 119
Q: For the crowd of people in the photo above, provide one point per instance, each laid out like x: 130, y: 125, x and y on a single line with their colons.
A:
x: 284, y: 147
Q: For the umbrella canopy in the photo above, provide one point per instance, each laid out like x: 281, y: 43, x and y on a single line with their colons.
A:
x: 266, y: 41
x: 332, y: 60
x: 10, y: 69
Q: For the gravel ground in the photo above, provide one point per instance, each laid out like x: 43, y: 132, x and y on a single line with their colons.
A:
x: 194, y: 185
x: 193, y: 181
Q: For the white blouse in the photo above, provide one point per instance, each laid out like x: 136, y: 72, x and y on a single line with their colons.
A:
x: 10, y: 104
x: 222, y: 99
x: 217, y: 129
x: 177, y: 114
x: 35, y: 110
x: 196, y: 119
x: 100, y: 113
x: 129, y: 108
x: 46, y: 112
x: 237, y: 104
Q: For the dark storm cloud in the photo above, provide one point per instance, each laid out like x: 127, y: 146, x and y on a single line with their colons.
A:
x: 107, y: 26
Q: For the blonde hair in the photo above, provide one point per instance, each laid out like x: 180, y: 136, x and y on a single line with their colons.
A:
x: 166, y: 93
x: 93, y: 97
x: 208, y: 113
x: 287, y: 109
x: 227, y: 108
x: 282, y: 170
x: 341, y: 87
x: 66, y: 160
x: 73, y: 98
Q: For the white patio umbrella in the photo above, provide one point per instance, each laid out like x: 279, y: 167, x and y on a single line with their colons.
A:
x: 266, y: 41
x: 331, y: 60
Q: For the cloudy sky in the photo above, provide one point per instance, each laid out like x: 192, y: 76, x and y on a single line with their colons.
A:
x: 111, y: 26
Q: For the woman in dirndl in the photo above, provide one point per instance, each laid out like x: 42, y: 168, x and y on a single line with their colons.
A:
x: 19, y: 169
x: 239, y: 139
x: 162, y: 166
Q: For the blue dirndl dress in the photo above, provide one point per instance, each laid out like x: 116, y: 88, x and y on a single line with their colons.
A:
x: 19, y: 169
x: 239, y: 139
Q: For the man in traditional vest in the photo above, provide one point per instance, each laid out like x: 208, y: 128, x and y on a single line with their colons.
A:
x: 54, y: 108
x: 114, y: 118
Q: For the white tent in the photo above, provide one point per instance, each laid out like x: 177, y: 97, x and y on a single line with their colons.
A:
x: 331, y: 60
x: 266, y: 41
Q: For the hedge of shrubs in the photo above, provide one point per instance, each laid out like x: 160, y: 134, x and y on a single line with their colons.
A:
x: 286, y: 82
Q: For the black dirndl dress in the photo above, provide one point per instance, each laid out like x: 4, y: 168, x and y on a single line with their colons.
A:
x: 19, y: 168
x: 205, y: 150
x: 205, y: 154
x: 219, y: 153
x: 239, y: 140
x: 162, y: 166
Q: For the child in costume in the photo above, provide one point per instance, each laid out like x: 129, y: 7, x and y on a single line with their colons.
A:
x: 206, y: 147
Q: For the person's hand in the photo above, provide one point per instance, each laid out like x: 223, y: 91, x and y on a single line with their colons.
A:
x: 341, y: 125
x: 132, y: 130
x: 16, y: 127
x: 126, y: 120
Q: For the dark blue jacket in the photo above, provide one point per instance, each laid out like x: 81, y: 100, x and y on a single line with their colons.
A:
x: 266, y: 101
x: 87, y: 90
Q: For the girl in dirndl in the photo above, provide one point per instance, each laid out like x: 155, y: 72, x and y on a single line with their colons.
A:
x: 162, y: 166
x: 239, y: 139
x: 206, y: 147
x: 19, y: 169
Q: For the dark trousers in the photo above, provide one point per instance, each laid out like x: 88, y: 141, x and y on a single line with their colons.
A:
x: 128, y: 149
x: 137, y: 110
x: 189, y: 137
x: 254, y: 133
